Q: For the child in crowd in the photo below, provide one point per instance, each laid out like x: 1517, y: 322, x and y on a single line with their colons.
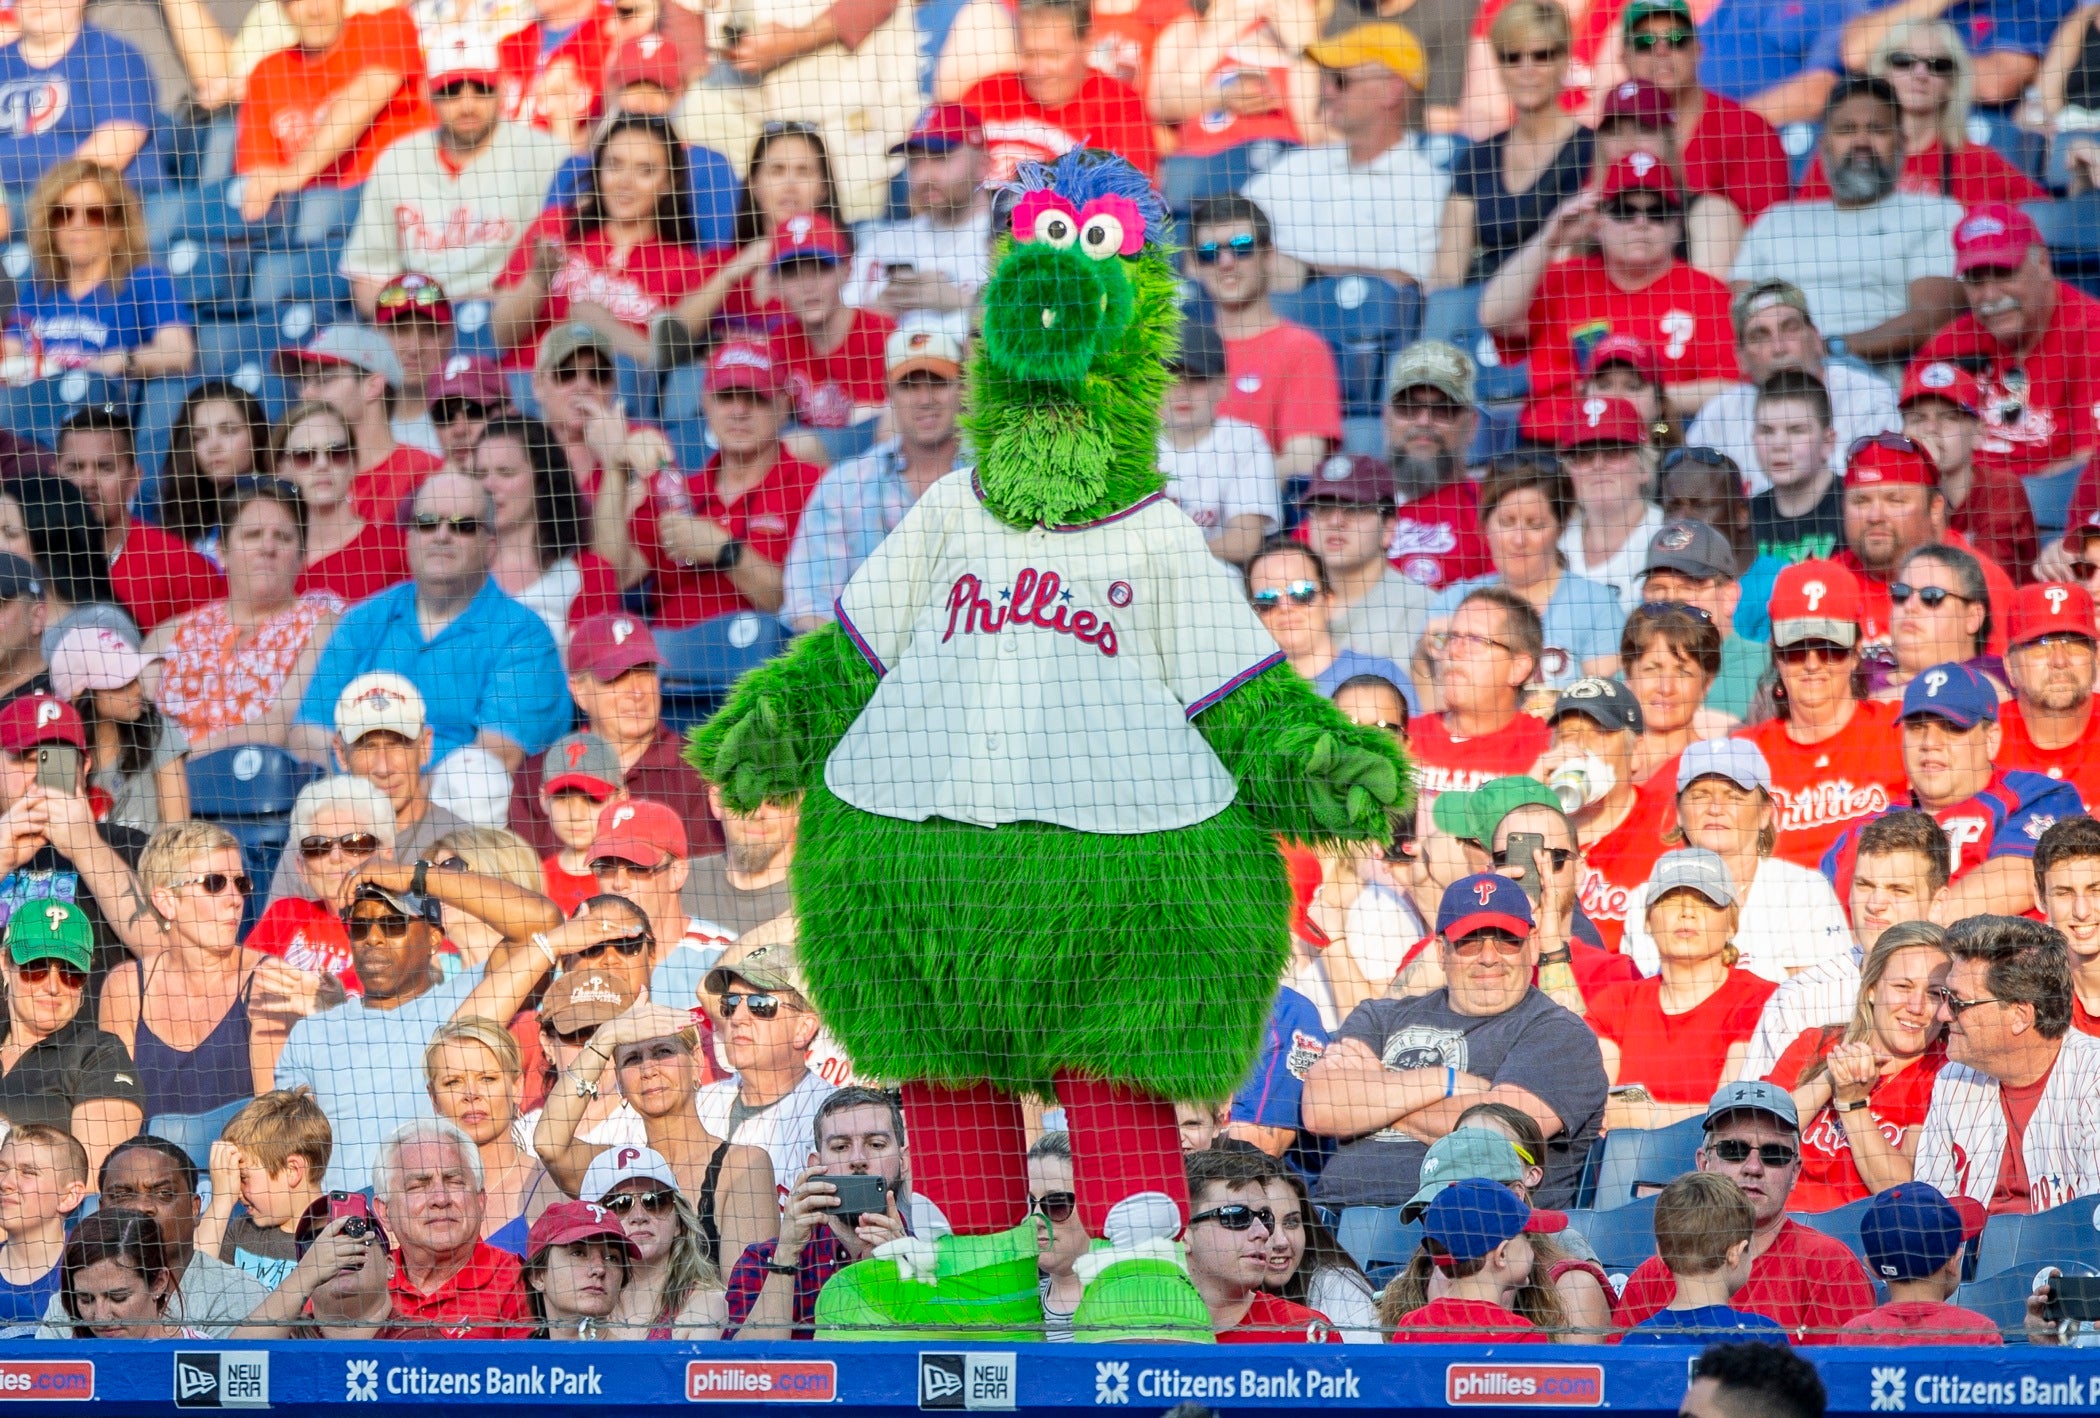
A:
x: 135, y: 753
x: 1914, y: 1238
x: 1475, y: 1231
x: 270, y: 1158
x: 1219, y: 470
x: 582, y: 776
x: 1703, y: 1231
x: 43, y: 1175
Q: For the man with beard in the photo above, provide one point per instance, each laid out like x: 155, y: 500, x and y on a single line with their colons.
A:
x: 1349, y: 517
x: 1893, y: 505
x: 925, y: 272
x: 1429, y: 421
x: 2049, y: 727
x: 1873, y: 262
x: 745, y: 885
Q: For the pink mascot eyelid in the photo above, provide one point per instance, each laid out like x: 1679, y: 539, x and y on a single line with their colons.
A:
x: 1123, y: 210
x: 1033, y: 205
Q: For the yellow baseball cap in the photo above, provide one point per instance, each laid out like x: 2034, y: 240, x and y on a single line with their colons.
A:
x: 1382, y: 42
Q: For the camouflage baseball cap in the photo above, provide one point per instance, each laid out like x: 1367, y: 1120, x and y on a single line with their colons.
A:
x: 1434, y: 365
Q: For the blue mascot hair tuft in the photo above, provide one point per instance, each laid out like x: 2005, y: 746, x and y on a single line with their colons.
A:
x: 1081, y: 175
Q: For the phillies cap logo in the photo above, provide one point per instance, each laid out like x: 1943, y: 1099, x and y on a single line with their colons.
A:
x: 918, y: 341
x: 2055, y: 596
x: 621, y: 630
x: 57, y: 916
x: 1937, y: 375
x: 598, y: 1213
x: 575, y: 754
x: 1484, y: 891
x: 624, y: 1156
x: 47, y: 712
x: 1934, y: 683
x: 648, y: 44
x: 1641, y: 163
x: 1335, y: 468
x: 1628, y: 90
x: 1813, y: 592
x: 799, y: 228
x: 457, y: 365
x: 622, y: 816
x: 1976, y: 227
x: 1593, y: 411
x: 378, y: 696
x: 1588, y: 687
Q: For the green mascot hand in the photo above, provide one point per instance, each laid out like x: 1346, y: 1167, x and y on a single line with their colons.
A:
x: 1351, y: 787
x: 757, y: 760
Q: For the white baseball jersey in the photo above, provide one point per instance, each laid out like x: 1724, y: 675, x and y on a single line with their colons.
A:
x: 1818, y: 997
x: 1964, y: 1138
x: 459, y: 227
x: 1046, y: 675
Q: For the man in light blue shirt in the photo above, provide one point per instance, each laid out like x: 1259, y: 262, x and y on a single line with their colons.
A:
x: 487, y: 667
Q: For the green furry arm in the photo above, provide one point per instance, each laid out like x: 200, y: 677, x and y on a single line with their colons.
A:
x: 1304, y: 771
x: 782, y: 721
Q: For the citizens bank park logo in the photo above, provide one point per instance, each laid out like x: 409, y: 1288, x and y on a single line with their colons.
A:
x: 1896, y: 1390
x: 761, y: 1381
x: 1524, y: 1385
x: 47, y: 1380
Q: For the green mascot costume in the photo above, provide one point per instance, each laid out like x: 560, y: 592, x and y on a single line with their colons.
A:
x: 1044, y: 757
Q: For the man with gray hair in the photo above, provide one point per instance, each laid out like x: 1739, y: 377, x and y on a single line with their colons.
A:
x: 429, y: 1192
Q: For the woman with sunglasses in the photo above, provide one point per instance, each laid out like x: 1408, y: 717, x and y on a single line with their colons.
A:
x: 185, y: 1012
x: 674, y: 1289
x: 1939, y: 614
x: 1288, y: 585
x: 317, y: 451
x: 338, y: 824
x: 1063, y: 1240
x: 542, y: 560
x: 221, y: 434
x: 475, y: 1074
x: 234, y: 671
x: 1504, y: 189
x: 1863, y: 1088
x: 789, y: 176
x: 649, y: 1051
x: 79, y: 1078
x: 98, y: 301
x: 1670, y: 1040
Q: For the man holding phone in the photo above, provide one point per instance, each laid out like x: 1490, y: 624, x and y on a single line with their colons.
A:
x: 925, y: 273
x: 854, y: 1197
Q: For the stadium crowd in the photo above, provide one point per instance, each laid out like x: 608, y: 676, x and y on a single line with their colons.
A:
x: 1743, y: 636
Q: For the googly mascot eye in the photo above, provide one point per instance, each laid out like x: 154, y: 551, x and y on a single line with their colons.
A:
x: 1045, y: 757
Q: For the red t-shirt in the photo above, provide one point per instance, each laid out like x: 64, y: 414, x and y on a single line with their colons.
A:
x: 741, y: 309
x: 2012, y: 1194
x: 1823, y: 788
x: 1454, y: 1321
x: 306, y: 936
x: 1829, y: 1177
x: 1805, y: 1281
x: 1996, y: 520
x: 484, y: 1300
x: 827, y: 387
x: 1921, y: 1322
x: 763, y: 519
x: 157, y: 578
x: 371, y: 561
x: 1444, y: 764
x: 1283, y: 381
x: 1976, y: 175
x: 524, y: 56
x: 567, y: 889
x: 2047, y: 415
x: 1678, y: 1057
x: 1103, y: 114
x: 290, y: 91
x: 1683, y: 316
x: 1271, y: 1319
x: 381, y: 493
x: 2078, y: 763
x: 1618, y: 865
x: 652, y: 277
x: 1736, y: 154
x: 1121, y: 46
x: 1436, y: 539
x: 2083, y: 1019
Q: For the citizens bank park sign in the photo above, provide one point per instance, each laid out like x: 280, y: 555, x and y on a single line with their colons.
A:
x: 463, y: 1379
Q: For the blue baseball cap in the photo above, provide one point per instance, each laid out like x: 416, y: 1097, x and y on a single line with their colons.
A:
x: 1484, y: 902
x: 1911, y: 1230
x: 1472, y: 1216
x: 1740, y: 761
x: 1956, y: 693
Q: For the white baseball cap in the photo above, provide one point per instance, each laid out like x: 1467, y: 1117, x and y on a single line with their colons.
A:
x: 908, y: 351
x: 94, y: 657
x: 379, y: 700
x: 624, y: 1164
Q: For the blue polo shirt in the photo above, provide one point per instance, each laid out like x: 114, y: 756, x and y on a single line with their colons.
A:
x: 494, y: 667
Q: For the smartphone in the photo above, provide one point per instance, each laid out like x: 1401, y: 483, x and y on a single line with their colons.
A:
x: 893, y: 269
x: 733, y: 34
x: 859, y: 1194
x: 58, y: 768
x: 1521, y: 851
x: 2077, y: 1297
x: 357, y: 1207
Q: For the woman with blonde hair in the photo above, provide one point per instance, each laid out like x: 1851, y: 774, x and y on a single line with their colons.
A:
x: 475, y: 1076
x: 98, y: 302
x: 488, y: 851
x: 674, y: 1288
x: 1934, y: 76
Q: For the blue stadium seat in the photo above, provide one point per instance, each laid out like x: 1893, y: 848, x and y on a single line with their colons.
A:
x: 305, y: 274
x: 2071, y: 227
x: 240, y: 351
x: 153, y: 418
x: 204, y: 274
x: 473, y: 331
x: 194, y: 1133
x: 1622, y: 1237
x: 1185, y: 181
x: 1841, y: 1224
x: 702, y: 661
x: 682, y: 420
x: 37, y: 410
x: 1453, y: 316
x: 843, y: 443
x: 2002, y: 1298
x: 1364, y: 320
x: 1799, y: 140
x: 1378, y: 1239
x: 1627, y: 1158
x: 249, y: 791
x: 2026, y: 151
x: 2049, y: 498
x: 2063, y: 1235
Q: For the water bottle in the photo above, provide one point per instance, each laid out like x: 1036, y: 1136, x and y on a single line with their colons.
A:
x: 1582, y: 780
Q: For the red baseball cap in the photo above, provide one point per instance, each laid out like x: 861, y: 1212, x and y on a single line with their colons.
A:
x: 2051, y: 608
x: 1890, y: 460
x: 1941, y: 380
x: 567, y: 1222
x: 638, y: 831
x: 475, y: 379
x: 645, y: 59
x: 1815, y: 600
x: 609, y: 645
x: 1993, y: 234
x: 1642, y: 172
x: 40, y: 718
x: 1598, y: 419
x: 1640, y: 102
x: 1626, y: 349
x: 743, y: 364
x: 411, y: 296
x: 943, y: 128
x: 810, y: 237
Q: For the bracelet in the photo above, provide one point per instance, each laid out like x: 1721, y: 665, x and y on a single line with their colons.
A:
x: 539, y: 938
x: 1450, y: 1082
x: 1562, y: 956
x: 778, y: 1268
x: 421, y: 879
x: 584, y: 1089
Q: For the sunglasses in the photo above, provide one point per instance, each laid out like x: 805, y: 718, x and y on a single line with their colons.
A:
x: 1056, y: 1207
x: 1470, y: 946
x: 215, y: 882
x: 1241, y: 248
x: 1939, y: 65
x: 1668, y: 39
x: 1888, y: 442
x: 354, y: 844
x: 1237, y: 1217
x: 315, y: 457
x: 629, y: 946
x: 1704, y: 457
x: 572, y: 1038
x: 1511, y: 58
x: 1301, y: 593
x: 1733, y: 1150
x: 454, y: 90
x: 761, y: 1006
x: 392, y: 926
x: 1632, y: 213
x: 591, y: 370
x: 1804, y: 651
x: 1955, y: 1005
x: 654, y: 1203
x: 1436, y: 410
x: 2085, y: 570
x: 428, y: 523
x: 401, y: 295
x: 65, y: 214
x: 1558, y: 856
x: 35, y: 972
x: 1930, y: 597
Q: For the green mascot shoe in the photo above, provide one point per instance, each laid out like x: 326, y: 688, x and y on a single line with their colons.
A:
x: 1137, y: 1285
x: 974, y: 1288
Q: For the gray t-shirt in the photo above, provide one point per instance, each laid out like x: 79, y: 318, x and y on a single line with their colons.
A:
x: 709, y: 895
x: 1855, y: 265
x: 135, y: 800
x: 1537, y: 1046
x: 1387, y: 621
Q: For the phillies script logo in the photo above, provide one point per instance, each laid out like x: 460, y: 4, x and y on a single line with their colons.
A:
x: 1833, y: 800
x: 1038, y: 598
x: 1603, y: 900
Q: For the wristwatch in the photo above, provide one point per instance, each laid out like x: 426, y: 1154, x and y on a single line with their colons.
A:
x: 1853, y: 1107
x: 1835, y: 346
x: 1561, y: 956
x: 780, y: 1268
x: 421, y: 878
x: 731, y: 553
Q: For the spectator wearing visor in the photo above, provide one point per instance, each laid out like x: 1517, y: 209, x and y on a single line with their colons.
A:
x: 1942, y: 407
x: 1351, y: 522
x: 2049, y: 727
x: 1219, y: 469
x: 1691, y: 566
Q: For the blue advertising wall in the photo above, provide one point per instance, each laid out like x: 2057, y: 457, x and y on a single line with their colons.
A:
x: 375, y: 1380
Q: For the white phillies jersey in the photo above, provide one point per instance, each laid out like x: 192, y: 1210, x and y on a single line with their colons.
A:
x: 1046, y: 675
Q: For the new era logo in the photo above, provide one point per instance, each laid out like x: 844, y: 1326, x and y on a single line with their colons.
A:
x: 222, y: 1379
x: 973, y: 1382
